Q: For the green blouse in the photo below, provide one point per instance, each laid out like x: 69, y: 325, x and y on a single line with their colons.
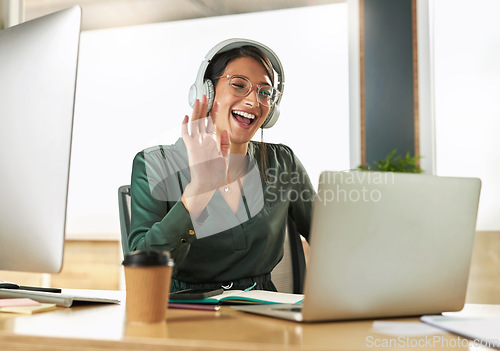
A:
x: 251, y: 241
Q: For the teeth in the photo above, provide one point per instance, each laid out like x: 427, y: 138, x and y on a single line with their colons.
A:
x: 244, y: 114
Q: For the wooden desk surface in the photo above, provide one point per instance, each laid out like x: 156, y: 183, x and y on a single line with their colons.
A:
x: 103, y: 327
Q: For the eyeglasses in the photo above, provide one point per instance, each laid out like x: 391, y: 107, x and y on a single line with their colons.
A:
x: 241, y: 86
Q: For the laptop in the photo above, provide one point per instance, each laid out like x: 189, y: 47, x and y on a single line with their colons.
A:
x: 386, y: 245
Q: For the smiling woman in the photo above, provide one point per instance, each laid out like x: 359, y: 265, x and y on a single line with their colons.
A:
x: 132, y: 84
x: 245, y: 113
x: 207, y: 199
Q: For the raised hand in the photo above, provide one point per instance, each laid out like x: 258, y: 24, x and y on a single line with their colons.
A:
x: 206, y: 154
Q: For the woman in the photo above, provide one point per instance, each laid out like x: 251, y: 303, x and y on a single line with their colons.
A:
x: 216, y: 200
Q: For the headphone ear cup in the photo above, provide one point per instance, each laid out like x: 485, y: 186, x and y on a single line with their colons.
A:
x: 197, y: 92
x: 209, y: 92
x: 272, y: 117
x: 193, y: 93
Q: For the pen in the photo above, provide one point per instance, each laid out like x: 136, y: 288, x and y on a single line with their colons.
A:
x: 193, y: 306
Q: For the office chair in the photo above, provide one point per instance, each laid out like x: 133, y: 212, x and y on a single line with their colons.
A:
x: 287, y: 276
x: 124, y: 205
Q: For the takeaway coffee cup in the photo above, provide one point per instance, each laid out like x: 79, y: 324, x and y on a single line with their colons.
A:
x: 147, y: 279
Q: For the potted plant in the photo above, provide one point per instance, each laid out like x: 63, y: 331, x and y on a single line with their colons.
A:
x: 395, y: 163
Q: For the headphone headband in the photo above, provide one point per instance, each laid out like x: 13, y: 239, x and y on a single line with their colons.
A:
x: 204, y: 86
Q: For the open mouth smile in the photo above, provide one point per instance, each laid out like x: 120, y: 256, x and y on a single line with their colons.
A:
x: 244, y: 118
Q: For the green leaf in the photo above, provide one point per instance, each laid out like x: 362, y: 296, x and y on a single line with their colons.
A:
x: 395, y: 163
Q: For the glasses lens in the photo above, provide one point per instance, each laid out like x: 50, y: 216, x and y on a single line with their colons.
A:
x: 240, y: 86
x: 268, y: 96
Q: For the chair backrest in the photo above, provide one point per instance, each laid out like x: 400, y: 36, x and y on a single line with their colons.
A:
x: 287, y: 276
x: 124, y: 210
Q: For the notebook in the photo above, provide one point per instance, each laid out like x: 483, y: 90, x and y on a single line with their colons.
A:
x: 386, y: 245
x: 229, y: 297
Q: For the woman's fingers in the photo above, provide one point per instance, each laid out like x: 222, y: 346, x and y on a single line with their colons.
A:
x: 204, y: 106
x: 210, y: 126
x: 196, y: 111
x: 224, y: 143
x: 200, y: 110
x: 185, y: 131
x: 205, y: 151
x: 213, y: 112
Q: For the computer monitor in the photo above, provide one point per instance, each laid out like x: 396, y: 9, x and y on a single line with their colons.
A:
x: 38, y: 66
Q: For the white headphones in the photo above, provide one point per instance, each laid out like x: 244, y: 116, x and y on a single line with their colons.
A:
x: 205, y: 86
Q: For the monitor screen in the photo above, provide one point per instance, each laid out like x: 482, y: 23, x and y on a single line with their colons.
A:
x: 38, y: 66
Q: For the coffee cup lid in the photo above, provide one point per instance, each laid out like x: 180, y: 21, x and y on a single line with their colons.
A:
x: 140, y: 258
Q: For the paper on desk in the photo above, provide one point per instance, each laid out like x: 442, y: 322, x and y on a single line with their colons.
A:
x: 29, y: 309
x: 18, y: 302
x: 483, y: 330
x: 410, y: 329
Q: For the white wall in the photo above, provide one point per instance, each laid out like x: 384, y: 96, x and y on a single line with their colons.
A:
x: 467, y: 86
x: 132, y: 93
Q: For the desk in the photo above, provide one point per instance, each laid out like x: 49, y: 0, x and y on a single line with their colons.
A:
x: 103, y: 327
